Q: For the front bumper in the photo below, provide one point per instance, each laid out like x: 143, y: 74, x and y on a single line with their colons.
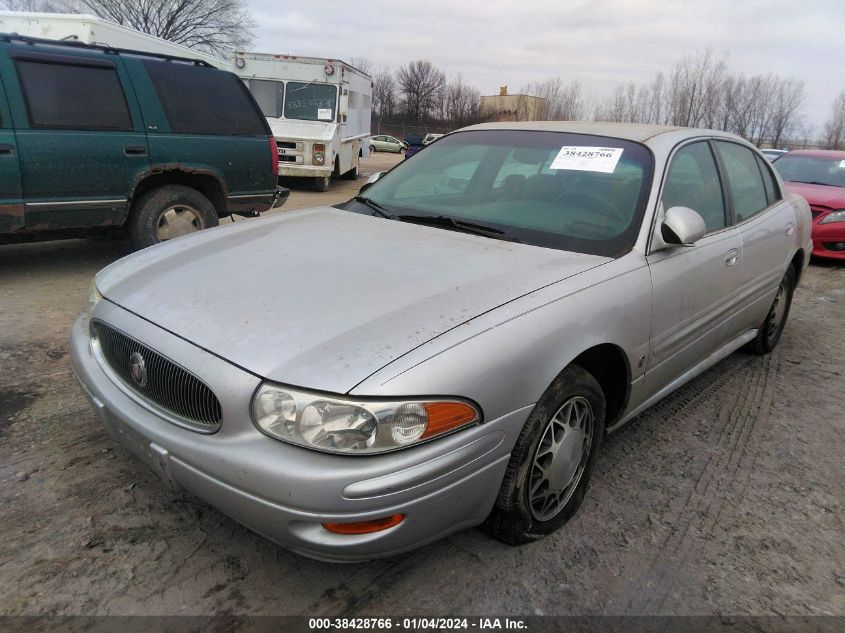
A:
x: 285, y: 492
x: 827, y: 239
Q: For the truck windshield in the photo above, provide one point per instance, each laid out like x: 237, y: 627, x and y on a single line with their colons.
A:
x: 269, y: 95
x: 310, y: 101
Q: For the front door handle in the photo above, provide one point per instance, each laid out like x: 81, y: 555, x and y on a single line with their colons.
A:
x: 789, y: 229
x: 731, y: 257
x: 5, y: 148
x: 135, y: 150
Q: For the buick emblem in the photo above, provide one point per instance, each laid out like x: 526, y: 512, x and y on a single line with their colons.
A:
x: 138, y: 369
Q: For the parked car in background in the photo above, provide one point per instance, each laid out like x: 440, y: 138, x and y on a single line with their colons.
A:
x: 94, y: 137
x: 385, y: 143
x: 428, y: 359
x: 772, y: 154
x: 819, y: 176
x: 414, y: 143
x: 431, y: 137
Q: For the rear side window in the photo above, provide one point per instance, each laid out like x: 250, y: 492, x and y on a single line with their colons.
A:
x: 67, y: 96
x: 199, y: 100
x: 769, y: 183
x: 746, y: 183
x: 693, y: 182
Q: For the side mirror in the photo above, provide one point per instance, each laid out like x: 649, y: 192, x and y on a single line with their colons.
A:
x: 682, y: 227
x: 370, y: 181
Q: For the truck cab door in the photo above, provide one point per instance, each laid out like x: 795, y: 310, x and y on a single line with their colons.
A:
x: 11, y: 200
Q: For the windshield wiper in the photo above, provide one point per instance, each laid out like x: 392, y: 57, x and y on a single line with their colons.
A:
x: 376, y: 207
x: 460, y: 225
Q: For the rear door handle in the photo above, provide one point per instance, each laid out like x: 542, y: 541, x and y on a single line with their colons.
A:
x: 135, y: 150
x: 5, y: 148
x: 790, y: 229
x: 731, y: 257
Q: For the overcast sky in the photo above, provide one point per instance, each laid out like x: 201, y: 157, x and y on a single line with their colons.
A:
x: 601, y: 43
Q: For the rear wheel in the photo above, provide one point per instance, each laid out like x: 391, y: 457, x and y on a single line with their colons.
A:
x: 169, y: 212
x: 550, y: 465
x: 770, y: 332
x: 372, y: 149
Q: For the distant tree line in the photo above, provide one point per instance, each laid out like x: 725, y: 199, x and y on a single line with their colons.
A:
x: 699, y: 91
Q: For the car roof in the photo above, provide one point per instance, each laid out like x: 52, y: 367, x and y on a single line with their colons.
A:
x: 819, y: 153
x: 638, y: 132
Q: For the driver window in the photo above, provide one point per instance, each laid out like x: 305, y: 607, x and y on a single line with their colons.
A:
x: 693, y: 182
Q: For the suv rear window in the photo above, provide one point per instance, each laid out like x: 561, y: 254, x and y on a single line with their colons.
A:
x: 74, y: 97
x: 199, y: 100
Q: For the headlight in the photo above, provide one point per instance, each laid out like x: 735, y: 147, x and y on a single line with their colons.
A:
x: 318, y: 153
x: 349, y: 425
x: 836, y: 216
x: 94, y: 297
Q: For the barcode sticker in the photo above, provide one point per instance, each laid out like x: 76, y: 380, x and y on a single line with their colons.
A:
x: 601, y: 159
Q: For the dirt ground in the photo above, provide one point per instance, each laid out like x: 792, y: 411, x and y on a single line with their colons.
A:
x: 726, y: 498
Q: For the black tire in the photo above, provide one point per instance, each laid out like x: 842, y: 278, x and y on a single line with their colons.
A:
x: 372, y: 149
x: 148, y: 217
x: 771, y: 330
x: 515, y: 518
x: 352, y: 174
x: 322, y: 184
x: 402, y: 150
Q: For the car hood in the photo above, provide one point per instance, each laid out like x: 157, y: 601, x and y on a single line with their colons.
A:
x: 322, y: 298
x: 285, y: 129
x: 819, y: 195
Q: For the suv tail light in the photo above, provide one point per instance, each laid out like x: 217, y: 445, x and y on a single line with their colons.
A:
x: 274, y: 157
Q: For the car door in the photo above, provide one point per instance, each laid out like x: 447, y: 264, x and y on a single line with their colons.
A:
x: 11, y: 202
x: 693, y: 286
x: 760, y: 214
x: 80, y: 138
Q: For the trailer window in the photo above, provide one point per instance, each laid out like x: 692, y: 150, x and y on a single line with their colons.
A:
x: 311, y: 102
x: 269, y: 94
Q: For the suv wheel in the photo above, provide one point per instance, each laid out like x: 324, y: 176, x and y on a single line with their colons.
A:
x: 168, y: 212
x: 552, y: 461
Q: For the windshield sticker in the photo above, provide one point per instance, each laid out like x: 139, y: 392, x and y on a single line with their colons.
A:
x: 324, y: 114
x: 842, y: 164
x: 601, y: 159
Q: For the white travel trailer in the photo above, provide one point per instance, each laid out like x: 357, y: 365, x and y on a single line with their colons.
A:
x: 92, y: 30
x: 319, y: 111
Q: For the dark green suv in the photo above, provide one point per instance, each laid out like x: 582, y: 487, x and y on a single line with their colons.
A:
x: 94, y: 137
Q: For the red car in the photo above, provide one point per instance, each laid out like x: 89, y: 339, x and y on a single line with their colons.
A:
x: 819, y: 176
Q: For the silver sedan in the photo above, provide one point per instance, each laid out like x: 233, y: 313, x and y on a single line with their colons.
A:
x: 451, y: 347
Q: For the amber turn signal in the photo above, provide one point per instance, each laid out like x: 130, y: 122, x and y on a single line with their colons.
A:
x: 365, y: 527
x: 445, y: 416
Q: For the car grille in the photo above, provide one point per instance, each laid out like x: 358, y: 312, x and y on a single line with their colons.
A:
x: 817, y: 211
x: 287, y: 158
x: 286, y: 144
x: 835, y: 246
x: 163, y: 382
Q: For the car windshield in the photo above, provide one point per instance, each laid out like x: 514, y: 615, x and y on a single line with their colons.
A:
x: 819, y: 170
x: 568, y: 191
x: 310, y: 101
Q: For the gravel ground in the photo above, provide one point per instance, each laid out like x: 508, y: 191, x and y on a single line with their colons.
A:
x: 726, y: 498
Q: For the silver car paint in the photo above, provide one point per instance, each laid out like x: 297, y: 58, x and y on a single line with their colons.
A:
x: 672, y: 312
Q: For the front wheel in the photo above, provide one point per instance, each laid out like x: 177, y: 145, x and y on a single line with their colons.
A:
x: 168, y: 212
x: 770, y: 332
x: 322, y: 184
x: 550, y: 465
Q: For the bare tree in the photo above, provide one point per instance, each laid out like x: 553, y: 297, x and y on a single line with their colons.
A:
x: 694, y: 89
x: 214, y: 26
x: 363, y: 64
x: 834, y: 127
x: 564, y: 101
x: 420, y: 84
x: 462, y: 103
x: 805, y: 131
x: 786, y: 107
x: 384, y: 95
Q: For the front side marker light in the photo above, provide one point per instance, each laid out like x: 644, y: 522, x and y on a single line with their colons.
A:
x: 446, y: 416
x: 365, y: 527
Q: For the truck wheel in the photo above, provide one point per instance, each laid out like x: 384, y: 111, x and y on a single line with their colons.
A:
x: 552, y: 461
x: 168, y: 212
x: 352, y: 174
x: 322, y: 184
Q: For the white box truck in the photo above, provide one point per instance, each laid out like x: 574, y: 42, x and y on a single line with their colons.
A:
x: 92, y: 30
x: 319, y: 111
